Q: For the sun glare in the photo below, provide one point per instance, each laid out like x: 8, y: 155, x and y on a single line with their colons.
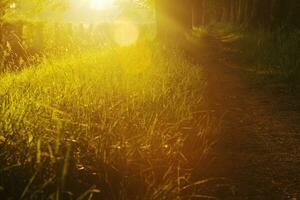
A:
x: 100, y: 4
x: 13, y: 5
x: 125, y: 32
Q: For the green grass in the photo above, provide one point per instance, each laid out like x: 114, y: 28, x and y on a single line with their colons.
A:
x: 272, y: 53
x: 276, y: 52
x: 119, y: 123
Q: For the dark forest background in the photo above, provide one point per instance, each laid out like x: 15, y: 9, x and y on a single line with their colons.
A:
x: 251, y: 14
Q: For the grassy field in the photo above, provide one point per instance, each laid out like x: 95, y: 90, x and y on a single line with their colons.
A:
x: 116, y: 123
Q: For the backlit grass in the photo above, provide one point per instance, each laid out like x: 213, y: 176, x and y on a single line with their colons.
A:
x: 120, y: 123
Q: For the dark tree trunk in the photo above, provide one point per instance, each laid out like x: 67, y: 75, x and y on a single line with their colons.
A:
x: 176, y: 17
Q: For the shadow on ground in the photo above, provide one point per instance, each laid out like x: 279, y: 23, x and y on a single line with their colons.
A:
x: 258, y: 147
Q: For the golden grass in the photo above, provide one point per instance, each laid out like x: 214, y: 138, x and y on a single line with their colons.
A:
x: 120, y: 123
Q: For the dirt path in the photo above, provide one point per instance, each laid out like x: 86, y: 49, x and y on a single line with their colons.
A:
x: 258, y: 149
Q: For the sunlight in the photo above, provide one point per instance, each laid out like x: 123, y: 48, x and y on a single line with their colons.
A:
x: 13, y: 5
x: 100, y: 4
x: 142, y: 55
x: 149, y: 99
x: 125, y: 32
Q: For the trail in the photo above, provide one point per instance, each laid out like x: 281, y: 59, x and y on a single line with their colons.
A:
x: 258, y: 146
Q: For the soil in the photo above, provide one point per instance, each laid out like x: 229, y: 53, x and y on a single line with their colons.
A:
x: 258, y: 146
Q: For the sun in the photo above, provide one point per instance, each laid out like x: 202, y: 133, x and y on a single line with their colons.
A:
x: 100, y: 4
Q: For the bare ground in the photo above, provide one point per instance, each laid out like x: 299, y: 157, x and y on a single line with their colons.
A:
x: 258, y: 150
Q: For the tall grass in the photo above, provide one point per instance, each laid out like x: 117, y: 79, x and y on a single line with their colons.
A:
x: 274, y: 53
x: 120, y: 123
x: 277, y: 52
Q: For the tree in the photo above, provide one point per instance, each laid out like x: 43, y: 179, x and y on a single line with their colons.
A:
x: 252, y: 13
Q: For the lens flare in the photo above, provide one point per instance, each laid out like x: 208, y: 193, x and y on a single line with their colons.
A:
x: 125, y: 32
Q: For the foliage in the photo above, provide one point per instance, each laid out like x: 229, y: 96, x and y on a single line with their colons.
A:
x: 273, y: 54
x: 28, y: 6
x: 276, y: 52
